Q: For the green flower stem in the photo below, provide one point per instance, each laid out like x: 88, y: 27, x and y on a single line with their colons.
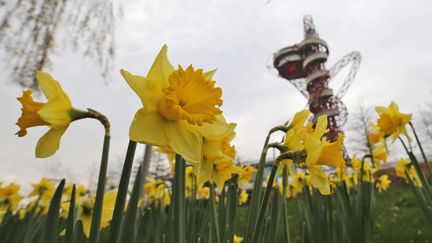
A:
x: 420, y: 198
x: 420, y: 173
x: 121, y: 194
x: 284, y: 203
x: 179, y: 199
x: 214, y: 212
x: 256, y: 192
x: 97, y: 212
x: 426, y: 161
x: 263, y: 205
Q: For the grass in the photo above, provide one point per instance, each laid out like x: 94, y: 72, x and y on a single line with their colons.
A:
x: 397, y: 218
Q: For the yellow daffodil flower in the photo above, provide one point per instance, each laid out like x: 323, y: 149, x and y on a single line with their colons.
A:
x: 403, y: 164
x: 202, y: 193
x: 217, y: 173
x: 57, y: 114
x: 368, y: 171
x: 299, y: 119
x: 179, y: 108
x: 246, y: 175
x: 80, y: 191
x: 45, y: 189
x: 9, y: 198
x: 321, y: 152
x: 156, y: 191
x: 391, y: 121
x: 243, y: 197
x: 217, y: 163
x: 379, y: 155
x: 237, y: 239
x: 86, y: 207
x: 383, y: 183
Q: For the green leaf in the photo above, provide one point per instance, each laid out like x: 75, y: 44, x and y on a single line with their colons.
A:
x: 116, y: 222
x: 256, y: 193
x: 260, y: 220
x: 70, y: 222
x: 79, y: 236
x: 129, y: 230
x: 50, y: 232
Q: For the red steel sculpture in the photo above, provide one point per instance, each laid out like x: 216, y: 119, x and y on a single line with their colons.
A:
x: 303, y: 65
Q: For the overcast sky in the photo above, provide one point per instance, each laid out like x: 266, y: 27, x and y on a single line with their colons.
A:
x: 237, y: 38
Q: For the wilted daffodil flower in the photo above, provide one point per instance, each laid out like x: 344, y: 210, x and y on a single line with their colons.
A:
x: 57, y: 114
x: 180, y: 106
x: 391, y: 121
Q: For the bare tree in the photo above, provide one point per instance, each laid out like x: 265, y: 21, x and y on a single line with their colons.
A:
x: 358, y: 127
x: 56, y: 170
x: 31, y: 30
x: 423, y: 125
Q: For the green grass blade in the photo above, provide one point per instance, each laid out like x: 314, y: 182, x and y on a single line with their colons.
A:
x: 50, y: 230
x: 114, y: 234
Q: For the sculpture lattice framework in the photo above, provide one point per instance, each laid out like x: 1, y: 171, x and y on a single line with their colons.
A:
x: 303, y: 65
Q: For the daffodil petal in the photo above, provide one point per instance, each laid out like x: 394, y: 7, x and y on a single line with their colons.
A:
x: 215, y: 130
x: 299, y: 119
x: 56, y: 112
x: 148, y: 128
x: 49, y: 143
x: 51, y: 88
x: 161, y: 68
x: 148, y: 91
x: 319, y: 180
x: 321, y: 126
x: 184, y: 141
x: 313, y: 148
x: 210, y: 74
x: 86, y: 221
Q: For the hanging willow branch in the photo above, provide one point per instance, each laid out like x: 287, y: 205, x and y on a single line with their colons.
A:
x: 31, y: 30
